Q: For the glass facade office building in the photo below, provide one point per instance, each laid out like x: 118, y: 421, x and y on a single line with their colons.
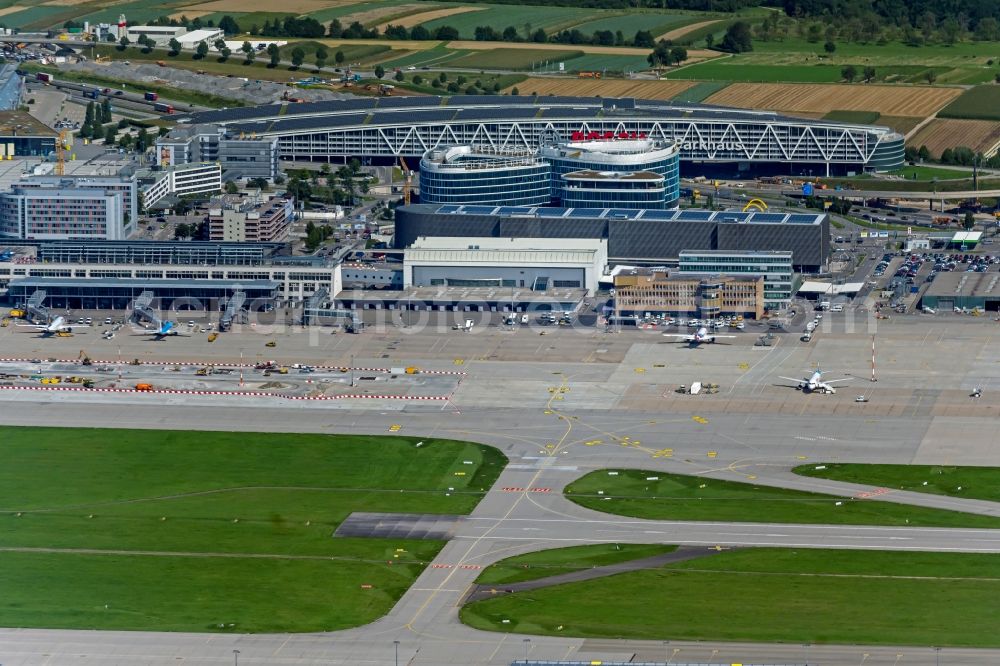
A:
x: 610, y: 189
x: 625, y: 173
x: 622, y: 156
x: 467, y: 175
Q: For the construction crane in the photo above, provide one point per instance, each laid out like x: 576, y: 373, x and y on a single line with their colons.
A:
x: 62, y: 143
x: 407, y: 180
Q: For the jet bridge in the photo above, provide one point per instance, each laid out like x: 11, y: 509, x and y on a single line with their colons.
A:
x: 142, y: 310
x: 318, y: 311
x: 234, y: 310
x: 35, y: 309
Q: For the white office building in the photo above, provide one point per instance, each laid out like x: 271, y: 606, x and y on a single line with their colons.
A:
x: 181, y: 180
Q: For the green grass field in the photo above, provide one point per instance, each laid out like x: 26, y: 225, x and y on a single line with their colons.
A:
x: 683, y: 497
x: 979, y: 103
x: 237, y: 527
x: 926, y: 173
x: 966, y: 482
x: 604, y: 62
x: 545, y: 563
x: 774, y: 595
x: 353, y: 53
x: 433, y: 57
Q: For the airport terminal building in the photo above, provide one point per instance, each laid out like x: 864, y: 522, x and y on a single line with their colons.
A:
x: 636, y: 237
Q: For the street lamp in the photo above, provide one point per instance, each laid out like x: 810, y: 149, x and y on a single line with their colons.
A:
x: 236, y: 658
x: 527, y: 645
x: 937, y: 656
x: 395, y: 645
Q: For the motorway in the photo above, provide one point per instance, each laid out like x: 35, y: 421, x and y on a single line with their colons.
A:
x: 580, y: 400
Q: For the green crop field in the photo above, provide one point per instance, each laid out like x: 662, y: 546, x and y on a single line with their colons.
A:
x: 700, y: 91
x: 861, y: 117
x: 655, y: 22
x: 683, y: 497
x: 433, y: 57
x: 775, y: 595
x: 969, y: 482
x: 236, y: 529
x: 353, y: 53
x: 521, y: 59
x: 502, y: 16
x: 979, y: 103
x: 737, y: 69
x: 39, y: 16
x: 553, y: 562
x: 603, y: 62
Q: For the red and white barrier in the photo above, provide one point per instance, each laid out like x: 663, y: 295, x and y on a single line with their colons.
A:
x: 245, y: 394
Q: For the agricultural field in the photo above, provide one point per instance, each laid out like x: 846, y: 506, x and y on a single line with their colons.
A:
x: 860, y: 117
x: 913, y: 101
x: 979, y: 103
x: 940, y: 133
x: 603, y: 87
x: 677, y: 34
x: 212, y: 511
x: 551, y: 19
x: 902, y: 124
x: 699, y: 91
x: 683, y: 497
x: 425, y: 16
x: 633, y: 22
x: 516, y: 59
x: 804, y: 596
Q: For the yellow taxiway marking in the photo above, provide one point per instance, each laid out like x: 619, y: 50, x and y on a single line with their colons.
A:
x: 663, y: 453
x: 699, y: 419
x: 713, y: 454
x: 395, y: 427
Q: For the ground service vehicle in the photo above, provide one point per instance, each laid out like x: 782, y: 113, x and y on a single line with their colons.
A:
x: 143, y: 387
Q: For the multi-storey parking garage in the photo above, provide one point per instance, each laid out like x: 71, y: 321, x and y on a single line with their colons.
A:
x: 713, y: 137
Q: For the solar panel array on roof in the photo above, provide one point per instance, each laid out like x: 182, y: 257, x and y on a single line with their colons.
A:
x: 560, y: 112
x: 731, y: 216
x: 569, y: 101
x: 497, y: 100
x: 239, y: 113
x: 623, y: 213
x: 513, y: 210
x: 415, y: 116
x: 587, y: 212
x: 802, y: 219
x: 619, y: 102
x: 332, y: 105
x: 694, y: 215
x: 405, y: 102
x: 448, y: 209
x: 479, y: 210
x: 550, y: 212
x: 768, y: 217
x: 292, y: 124
x: 659, y: 214
x: 479, y: 113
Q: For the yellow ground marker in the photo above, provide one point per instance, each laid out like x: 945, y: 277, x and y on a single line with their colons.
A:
x: 699, y: 419
x: 593, y: 442
x: 640, y: 370
x: 663, y: 453
x: 459, y: 361
x: 744, y: 366
x: 548, y: 411
x: 713, y: 454
x: 395, y: 427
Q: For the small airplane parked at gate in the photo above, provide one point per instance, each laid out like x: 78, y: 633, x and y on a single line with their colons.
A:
x: 694, y: 340
x: 57, y: 326
x: 815, y: 383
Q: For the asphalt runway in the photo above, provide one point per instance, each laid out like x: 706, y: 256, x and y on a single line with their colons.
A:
x: 559, y: 406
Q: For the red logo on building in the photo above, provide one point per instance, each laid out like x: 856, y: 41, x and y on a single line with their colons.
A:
x: 605, y: 136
